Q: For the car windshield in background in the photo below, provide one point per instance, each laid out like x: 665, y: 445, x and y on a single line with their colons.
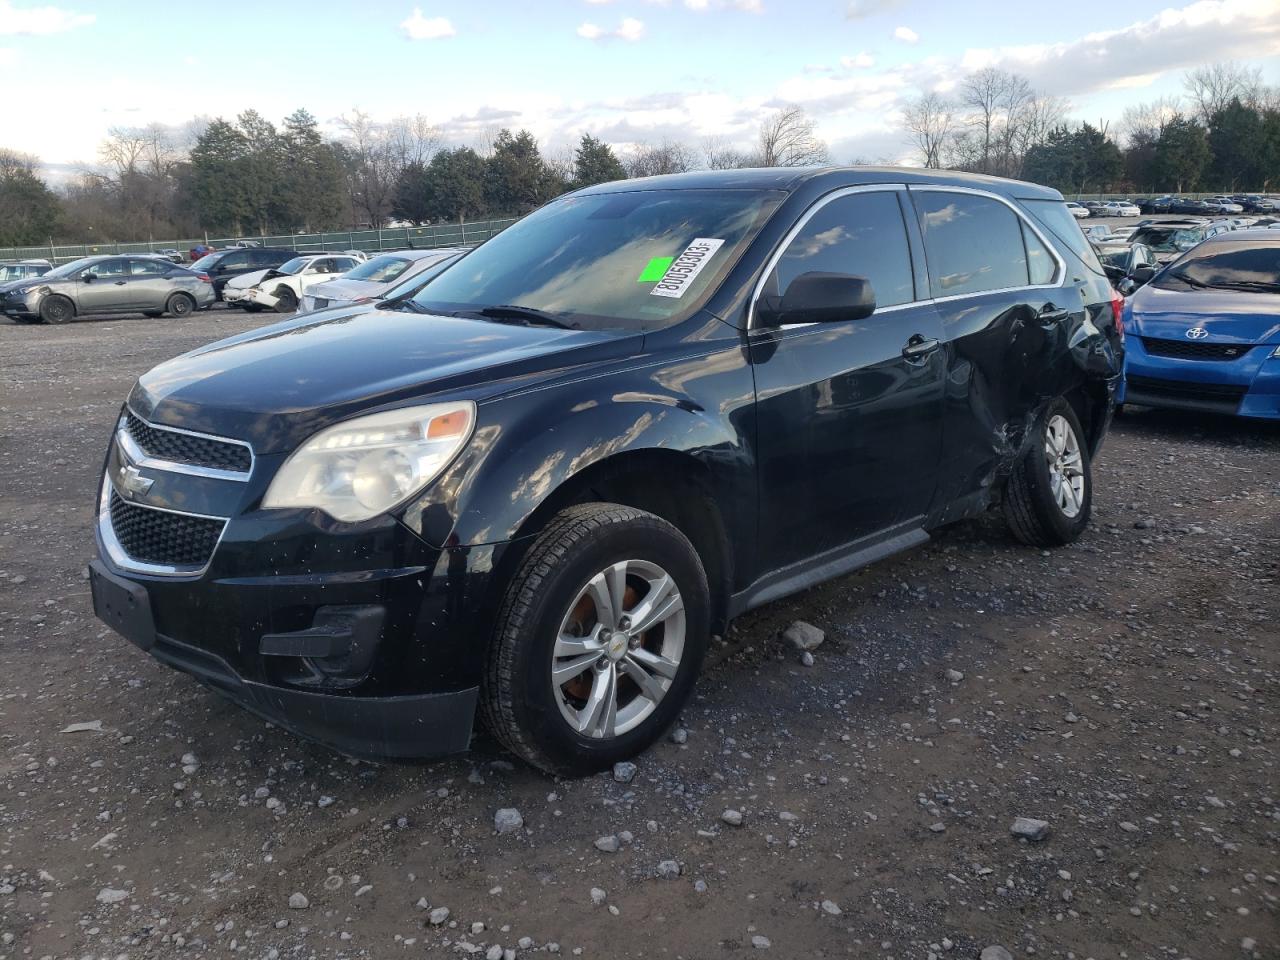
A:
x: 1168, y: 241
x: 1227, y: 267
x: 1055, y: 216
x: 205, y: 262
x: 70, y: 269
x: 636, y: 260
x: 379, y: 269
x: 292, y: 266
x: 1114, y: 258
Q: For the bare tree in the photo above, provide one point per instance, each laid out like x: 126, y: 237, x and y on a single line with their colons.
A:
x: 719, y: 153
x: 1213, y: 86
x: 1038, y: 116
x: 1144, y: 122
x: 374, y: 165
x: 648, y: 160
x: 787, y: 140
x: 413, y: 139
x: 929, y: 119
x: 982, y: 92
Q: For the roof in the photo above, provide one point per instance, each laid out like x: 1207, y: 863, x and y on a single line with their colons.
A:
x: 790, y: 179
x: 1253, y: 234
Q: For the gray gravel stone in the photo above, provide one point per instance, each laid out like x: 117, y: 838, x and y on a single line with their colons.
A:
x: 804, y: 636
x: 438, y: 916
x: 507, y: 820
x: 608, y: 844
x: 668, y: 869
x: 996, y: 952
x: 298, y: 901
x: 624, y: 772
x: 1030, y: 828
x: 732, y: 817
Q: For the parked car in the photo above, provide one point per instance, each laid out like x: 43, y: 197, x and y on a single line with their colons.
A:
x: 1077, y: 210
x: 109, y: 284
x: 1192, y: 207
x: 1223, y: 205
x: 537, y: 487
x: 12, y: 271
x: 372, y: 279
x: 1121, y: 208
x: 1207, y: 330
x: 1156, y: 205
x: 1256, y: 203
x: 225, y: 265
x: 169, y: 253
x: 1171, y: 239
x: 239, y: 291
x: 1124, y: 261
x: 1097, y: 232
x: 282, y: 289
x: 1096, y: 208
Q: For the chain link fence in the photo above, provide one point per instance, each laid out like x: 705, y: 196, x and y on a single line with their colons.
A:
x: 368, y: 241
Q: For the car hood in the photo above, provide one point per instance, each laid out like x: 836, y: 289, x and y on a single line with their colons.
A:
x: 278, y: 385
x: 247, y: 280
x: 1229, y: 316
x: 347, y: 289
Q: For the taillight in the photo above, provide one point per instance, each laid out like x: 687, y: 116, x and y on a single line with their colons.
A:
x: 204, y: 277
x: 1117, y: 311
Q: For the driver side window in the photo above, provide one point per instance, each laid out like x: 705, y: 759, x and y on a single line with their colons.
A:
x: 107, y: 268
x: 862, y: 234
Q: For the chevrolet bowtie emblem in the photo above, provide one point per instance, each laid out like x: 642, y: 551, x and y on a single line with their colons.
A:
x: 132, y: 482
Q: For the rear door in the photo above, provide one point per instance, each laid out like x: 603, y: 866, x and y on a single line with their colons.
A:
x: 149, y: 283
x: 1006, y: 315
x: 849, y: 414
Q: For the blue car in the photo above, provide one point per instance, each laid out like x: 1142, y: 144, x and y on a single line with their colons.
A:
x: 1204, y: 333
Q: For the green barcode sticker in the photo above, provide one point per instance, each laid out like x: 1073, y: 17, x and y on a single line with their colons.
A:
x: 655, y: 270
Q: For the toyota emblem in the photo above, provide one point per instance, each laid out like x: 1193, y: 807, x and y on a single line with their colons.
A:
x: 1197, y: 333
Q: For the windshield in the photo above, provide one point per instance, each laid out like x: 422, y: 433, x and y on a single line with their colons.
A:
x: 292, y: 266
x: 382, y: 269
x: 205, y: 262
x: 1169, y: 241
x: 72, y: 268
x: 1226, y: 266
x: 1114, y: 258
x: 636, y: 260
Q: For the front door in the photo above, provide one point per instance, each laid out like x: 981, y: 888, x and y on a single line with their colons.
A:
x: 849, y: 413
x: 107, y: 291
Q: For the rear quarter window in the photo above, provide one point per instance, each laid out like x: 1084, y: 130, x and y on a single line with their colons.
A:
x: 1054, y: 216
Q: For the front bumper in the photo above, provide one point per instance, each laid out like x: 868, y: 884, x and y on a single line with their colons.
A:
x: 1247, y: 386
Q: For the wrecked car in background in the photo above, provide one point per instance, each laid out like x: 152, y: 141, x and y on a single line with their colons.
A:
x: 532, y: 490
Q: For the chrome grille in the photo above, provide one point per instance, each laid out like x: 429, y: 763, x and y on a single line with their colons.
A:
x: 187, y: 448
x: 160, y: 537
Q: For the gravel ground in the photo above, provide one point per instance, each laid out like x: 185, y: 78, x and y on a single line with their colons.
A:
x: 1124, y: 691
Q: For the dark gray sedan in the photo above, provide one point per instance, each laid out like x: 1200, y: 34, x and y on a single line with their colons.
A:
x: 108, y: 285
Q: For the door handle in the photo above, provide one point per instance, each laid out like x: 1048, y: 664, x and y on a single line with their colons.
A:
x: 1051, y: 314
x: 919, y: 347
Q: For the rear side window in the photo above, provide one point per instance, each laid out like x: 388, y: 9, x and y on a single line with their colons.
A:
x: 1054, y: 216
x: 973, y: 243
x: 148, y: 268
x: 1040, y: 263
x: 860, y: 234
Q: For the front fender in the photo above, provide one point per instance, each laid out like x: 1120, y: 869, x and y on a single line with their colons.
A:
x: 527, y: 445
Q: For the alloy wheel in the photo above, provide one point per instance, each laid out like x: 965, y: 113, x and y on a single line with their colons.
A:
x: 1066, y: 465
x: 618, y: 649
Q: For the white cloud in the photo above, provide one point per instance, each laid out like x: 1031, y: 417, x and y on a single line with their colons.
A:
x: 33, y: 21
x: 906, y: 35
x: 418, y: 27
x: 747, y: 6
x: 630, y: 30
x: 857, y: 9
x: 599, y: 3
x: 860, y: 61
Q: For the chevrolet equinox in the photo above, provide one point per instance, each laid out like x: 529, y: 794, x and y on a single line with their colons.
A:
x: 536, y: 487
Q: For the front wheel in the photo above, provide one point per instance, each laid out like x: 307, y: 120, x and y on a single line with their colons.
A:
x: 55, y: 309
x: 598, y: 641
x: 286, y: 300
x: 1050, y: 492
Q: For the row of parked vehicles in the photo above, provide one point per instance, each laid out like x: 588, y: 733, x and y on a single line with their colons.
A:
x: 1168, y: 204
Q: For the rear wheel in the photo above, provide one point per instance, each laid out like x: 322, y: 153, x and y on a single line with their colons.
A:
x: 599, y: 640
x: 286, y: 300
x: 1050, y: 492
x: 56, y: 309
x: 180, y: 305
x: 151, y: 313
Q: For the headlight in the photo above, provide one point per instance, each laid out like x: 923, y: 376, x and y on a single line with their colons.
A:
x: 363, y: 467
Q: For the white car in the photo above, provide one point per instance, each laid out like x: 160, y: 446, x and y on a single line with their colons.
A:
x: 374, y: 278
x: 282, y: 289
x: 1077, y: 210
x: 1122, y: 208
x: 234, y: 292
x: 1224, y: 205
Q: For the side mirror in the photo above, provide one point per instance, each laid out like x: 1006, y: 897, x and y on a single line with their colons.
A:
x: 88, y: 275
x: 1142, y: 274
x: 1126, y: 286
x: 817, y: 297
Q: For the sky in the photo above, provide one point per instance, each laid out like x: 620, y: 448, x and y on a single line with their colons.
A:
x: 627, y: 71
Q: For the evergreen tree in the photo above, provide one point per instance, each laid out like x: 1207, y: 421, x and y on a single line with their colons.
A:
x: 29, y: 210
x: 1237, y: 141
x: 455, y: 184
x: 217, y: 169
x: 595, y: 162
x: 312, y: 188
x: 412, y: 198
x: 1181, y: 155
x: 516, y: 178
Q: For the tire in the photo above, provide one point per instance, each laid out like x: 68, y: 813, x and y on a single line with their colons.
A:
x: 286, y: 300
x: 180, y: 305
x: 56, y: 309
x: 1044, y: 504
x: 549, y: 619
x: 152, y: 313
x: 250, y: 307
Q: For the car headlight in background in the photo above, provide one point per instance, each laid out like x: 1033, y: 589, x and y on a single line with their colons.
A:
x: 363, y: 467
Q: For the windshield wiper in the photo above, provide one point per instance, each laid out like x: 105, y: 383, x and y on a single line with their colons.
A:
x: 531, y: 315
x: 1247, y: 285
x: 1198, y: 284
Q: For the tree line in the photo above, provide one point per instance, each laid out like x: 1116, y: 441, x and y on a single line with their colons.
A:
x: 248, y: 175
x: 1223, y: 134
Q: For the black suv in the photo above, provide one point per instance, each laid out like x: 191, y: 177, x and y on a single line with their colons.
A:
x: 225, y: 265
x: 535, y: 488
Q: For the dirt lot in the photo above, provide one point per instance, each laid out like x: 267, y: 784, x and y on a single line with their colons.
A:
x: 1125, y: 690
